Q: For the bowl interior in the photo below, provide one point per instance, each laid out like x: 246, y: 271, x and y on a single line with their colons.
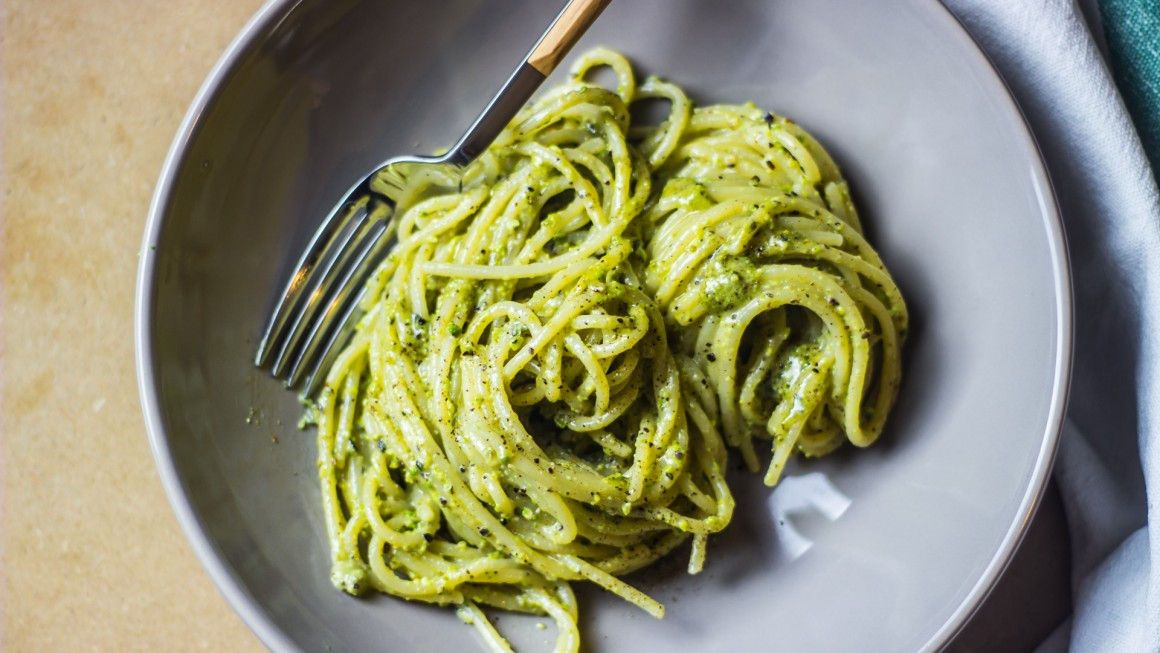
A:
x: 885, y: 549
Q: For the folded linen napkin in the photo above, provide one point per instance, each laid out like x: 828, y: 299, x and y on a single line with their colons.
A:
x: 1109, y: 459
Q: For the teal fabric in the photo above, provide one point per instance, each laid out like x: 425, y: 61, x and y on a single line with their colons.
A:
x: 1132, y: 30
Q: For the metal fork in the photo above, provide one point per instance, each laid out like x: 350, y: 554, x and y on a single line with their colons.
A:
x: 320, y: 304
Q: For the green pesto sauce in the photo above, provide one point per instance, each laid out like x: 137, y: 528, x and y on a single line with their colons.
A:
x: 796, y: 361
x: 349, y: 576
x: 727, y: 281
x: 686, y: 194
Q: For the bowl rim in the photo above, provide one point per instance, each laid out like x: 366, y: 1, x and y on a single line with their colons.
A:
x: 207, y: 552
x: 260, y: 622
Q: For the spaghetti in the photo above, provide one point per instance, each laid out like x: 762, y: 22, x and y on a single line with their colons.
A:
x: 564, y: 342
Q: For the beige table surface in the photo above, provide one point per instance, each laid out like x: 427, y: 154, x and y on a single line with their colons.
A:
x: 91, y: 557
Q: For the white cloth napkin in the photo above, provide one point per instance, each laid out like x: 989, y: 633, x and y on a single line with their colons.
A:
x: 1109, y: 460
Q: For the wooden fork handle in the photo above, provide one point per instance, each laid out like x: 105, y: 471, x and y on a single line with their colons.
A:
x: 572, y: 22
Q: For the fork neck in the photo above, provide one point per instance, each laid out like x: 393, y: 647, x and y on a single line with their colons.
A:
x: 541, y: 60
x: 520, y: 86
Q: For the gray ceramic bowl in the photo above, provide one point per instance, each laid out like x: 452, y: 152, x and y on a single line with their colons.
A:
x: 888, y: 549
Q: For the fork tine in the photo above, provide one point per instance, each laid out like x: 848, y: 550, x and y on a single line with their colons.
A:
x: 366, y: 215
x: 330, y: 350
x: 302, y: 311
x: 292, y: 294
x: 328, y: 335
